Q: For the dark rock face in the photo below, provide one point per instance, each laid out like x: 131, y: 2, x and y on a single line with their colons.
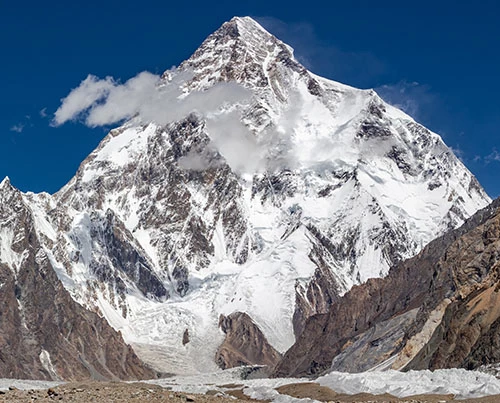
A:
x: 44, y: 334
x: 185, y: 337
x: 370, y: 129
x: 120, y: 251
x: 462, y: 266
x: 486, y: 350
x: 245, y: 344
x: 399, y: 157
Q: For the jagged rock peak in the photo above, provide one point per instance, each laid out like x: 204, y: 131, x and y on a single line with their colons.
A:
x: 244, y: 52
x: 5, y: 182
x: 8, y: 193
x: 247, y: 31
x: 244, y: 26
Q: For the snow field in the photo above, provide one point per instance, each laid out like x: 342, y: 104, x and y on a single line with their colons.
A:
x: 462, y: 383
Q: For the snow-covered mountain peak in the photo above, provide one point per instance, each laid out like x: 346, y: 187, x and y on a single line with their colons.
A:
x: 5, y: 182
x: 289, y: 191
x: 243, y: 52
x: 241, y: 33
x: 249, y: 29
x: 9, y: 194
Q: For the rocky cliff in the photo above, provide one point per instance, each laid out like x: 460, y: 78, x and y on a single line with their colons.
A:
x: 244, y: 343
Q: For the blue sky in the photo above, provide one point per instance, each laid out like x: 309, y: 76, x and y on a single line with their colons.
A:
x: 437, y: 59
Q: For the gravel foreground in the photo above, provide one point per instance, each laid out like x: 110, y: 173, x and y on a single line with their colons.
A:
x: 141, y: 392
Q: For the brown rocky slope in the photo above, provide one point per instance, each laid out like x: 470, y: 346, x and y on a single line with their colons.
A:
x: 244, y: 344
x: 439, y: 309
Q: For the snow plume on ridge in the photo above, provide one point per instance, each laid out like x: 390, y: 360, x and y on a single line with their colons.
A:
x: 412, y: 98
x: 101, y: 102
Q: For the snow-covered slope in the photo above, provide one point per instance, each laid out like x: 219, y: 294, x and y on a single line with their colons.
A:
x: 44, y: 333
x: 273, y: 203
x: 459, y: 382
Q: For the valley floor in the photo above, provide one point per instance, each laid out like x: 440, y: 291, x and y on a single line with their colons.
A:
x: 141, y: 392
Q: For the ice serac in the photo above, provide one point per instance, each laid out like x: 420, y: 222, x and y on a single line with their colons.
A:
x: 439, y: 309
x: 273, y: 204
x: 44, y: 333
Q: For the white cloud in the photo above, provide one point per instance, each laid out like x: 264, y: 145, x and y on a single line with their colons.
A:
x: 122, y: 101
x: 101, y: 102
x: 494, y: 156
x: 199, y: 160
x: 18, y: 128
x: 86, y: 95
x: 235, y: 142
x: 43, y: 113
x: 148, y: 98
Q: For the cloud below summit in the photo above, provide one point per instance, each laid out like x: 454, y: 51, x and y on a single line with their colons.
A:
x: 100, y: 102
x: 149, y: 98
